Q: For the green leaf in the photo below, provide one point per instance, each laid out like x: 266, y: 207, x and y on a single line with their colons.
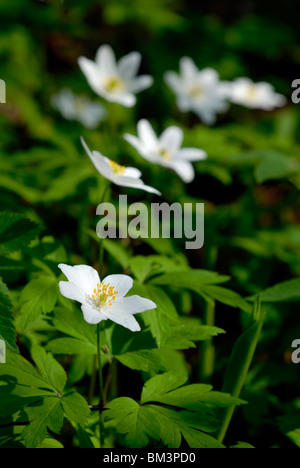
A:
x: 242, y: 445
x: 76, y: 408
x: 226, y: 296
x: 7, y: 329
x: 16, y: 232
x: 50, y: 443
x: 159, y: 385
x: 190, y: 279
x: 281, y: 292
x: 239, y: 363
x: 84, y: 438
x: 39, y: 296
x: 160, y: 319
x: 142, y: 267
x: 289, y: 424
x: 44, y: 414
x: 188, y: 331
x: 49, y: 368
x: 144, y: 360
x: 80, y: 336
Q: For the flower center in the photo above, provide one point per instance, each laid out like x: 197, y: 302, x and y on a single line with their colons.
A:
x: 113, y: 84
x: 103, y: 295
x: 196, y: 91
x: 164, y: 153
x: 251, y: 92
x: 117, y: 169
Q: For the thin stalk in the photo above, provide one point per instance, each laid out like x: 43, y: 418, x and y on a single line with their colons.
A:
x: 93, y: 381
x: 101, y: 246
x: 240, y: 362
x: 206, y: 368
x: 101, y: 392
x: 208, y: 349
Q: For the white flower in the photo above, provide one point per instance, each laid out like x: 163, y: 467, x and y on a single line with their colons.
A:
x: 115, y: 82
x: 103, y: 300
x: 119, y: 175
x: 255, y: 95
x: 78, y: 108
x: 166, y: 150
x: 198, y: 91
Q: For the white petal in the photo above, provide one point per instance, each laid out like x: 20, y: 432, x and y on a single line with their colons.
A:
x: 134, y: 304
x: 174, y: 82
x: 72, y: 291
x: 142, y: 149
x: 91, y: 315
x: 184, y: 169
x: 125, y: 99
x: 122, y: 283
x: 123, y: 318
x: 146, y: 133
x: 192, y: 154
x: 99, y: 161
x: 140, y: 83
x: 209, y: 77
x: 171, y: 138
x: 91, y: 73
x: 132, y: 172
x: 129, y: 65
x: 135, y: 183
x: 106, y: 61
x: 83, y: 276
x: 188, y: 68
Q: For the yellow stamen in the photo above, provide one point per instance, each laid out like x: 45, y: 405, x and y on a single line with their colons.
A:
x: 196, y: 91
x: 118, y: 170
x: 104, y: 294
x: 165, y: 154
x: 113, y: 84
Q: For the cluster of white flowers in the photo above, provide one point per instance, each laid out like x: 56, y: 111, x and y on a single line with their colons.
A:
x: 201, y: 92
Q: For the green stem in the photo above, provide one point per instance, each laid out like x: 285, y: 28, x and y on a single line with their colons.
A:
x: 101, y: 246
x: 208, y: 349
x: 239, y: 364
x: 101, y: 414
x: 93, y: 381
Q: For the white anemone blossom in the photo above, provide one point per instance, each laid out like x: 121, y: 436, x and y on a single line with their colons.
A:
x: 197, y: 91
x: 112, y: 80
x: 166, y: 150
x: 103, y: 300
x: 79, y: 108
x: 119, y: 175
x: 255, y: 95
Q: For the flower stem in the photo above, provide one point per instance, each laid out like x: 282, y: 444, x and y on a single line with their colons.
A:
x: 101, y: 414
x: 101, y: 246
x: 208, y: 351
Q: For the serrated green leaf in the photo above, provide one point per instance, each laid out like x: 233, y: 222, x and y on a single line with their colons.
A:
x: 16, y: 232
x: 7, y: 329
x: 76, y: 408
x: 44, y: 414
x: 39, y: 296
x: 49, y: 368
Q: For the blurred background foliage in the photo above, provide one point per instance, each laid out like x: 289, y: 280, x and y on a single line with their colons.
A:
x: 249, y: 183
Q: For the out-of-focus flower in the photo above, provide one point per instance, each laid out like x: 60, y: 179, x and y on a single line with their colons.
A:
x: 115, y: 81
x: 119, y: 175
x: 166, y: 150
x: 103, y: 300
x: 201, y: 92
x: 78, y: 108
x: 255, y: 95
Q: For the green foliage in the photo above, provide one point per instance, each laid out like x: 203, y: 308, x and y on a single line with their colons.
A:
x: 191, y: 418
x: 209, y: 331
